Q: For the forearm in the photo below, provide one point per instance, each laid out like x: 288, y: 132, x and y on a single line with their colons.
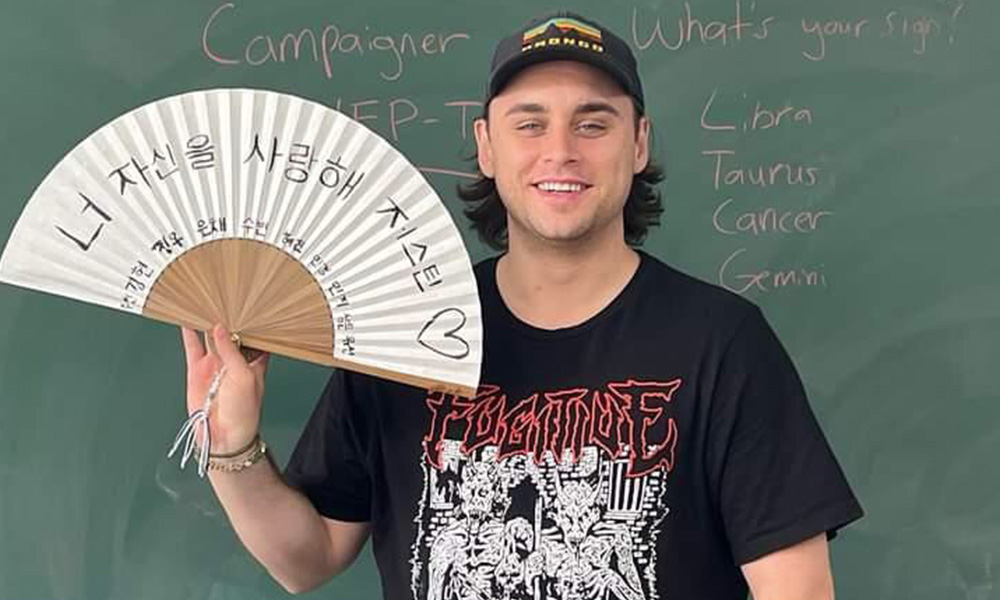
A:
x: 799, y: 572
x: 279, y: 526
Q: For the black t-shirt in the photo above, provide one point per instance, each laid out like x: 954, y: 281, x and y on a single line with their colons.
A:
x: 645, y: 453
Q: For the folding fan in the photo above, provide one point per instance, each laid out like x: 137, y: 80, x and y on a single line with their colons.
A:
x: 292, y: 225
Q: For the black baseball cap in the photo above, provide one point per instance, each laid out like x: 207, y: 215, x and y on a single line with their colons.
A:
x: 565, y: 36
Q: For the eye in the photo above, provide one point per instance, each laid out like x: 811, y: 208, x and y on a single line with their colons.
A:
x: 529, y: 126
x: 591, y: 127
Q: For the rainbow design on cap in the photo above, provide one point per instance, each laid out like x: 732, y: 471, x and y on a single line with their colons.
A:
x: 587, y: 37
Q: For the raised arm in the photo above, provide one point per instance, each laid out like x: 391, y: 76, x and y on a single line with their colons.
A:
x: 299, y: 547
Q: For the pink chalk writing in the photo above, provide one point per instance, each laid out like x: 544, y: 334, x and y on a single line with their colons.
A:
x: 325, y: 45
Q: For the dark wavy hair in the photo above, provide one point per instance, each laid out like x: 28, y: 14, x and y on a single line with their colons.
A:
x: 489, y: 217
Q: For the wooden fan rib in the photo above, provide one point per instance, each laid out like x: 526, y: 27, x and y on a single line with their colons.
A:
x: 302, y: 298
x: 209, y: 284
x: 186, y: 290
x: 429, y: 383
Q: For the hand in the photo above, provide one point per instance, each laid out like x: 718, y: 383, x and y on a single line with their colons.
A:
x: 235, y: 414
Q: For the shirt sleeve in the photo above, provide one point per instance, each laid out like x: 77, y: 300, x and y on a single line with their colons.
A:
x: 777, y: 481
x: 328, y: 464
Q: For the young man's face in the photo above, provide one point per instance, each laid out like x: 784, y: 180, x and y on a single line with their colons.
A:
x: 562, y: 145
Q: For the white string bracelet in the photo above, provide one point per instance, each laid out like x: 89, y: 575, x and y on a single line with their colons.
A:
x: 195, y: 424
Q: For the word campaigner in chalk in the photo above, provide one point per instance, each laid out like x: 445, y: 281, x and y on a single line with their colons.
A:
x: 636, y: 433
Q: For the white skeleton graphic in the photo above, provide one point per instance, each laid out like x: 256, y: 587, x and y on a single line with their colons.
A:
x: 580, y: 565
x: 576, y: 546
x: 478, y: 556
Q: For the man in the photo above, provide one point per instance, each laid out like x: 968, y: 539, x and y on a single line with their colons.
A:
x: 638, y: 434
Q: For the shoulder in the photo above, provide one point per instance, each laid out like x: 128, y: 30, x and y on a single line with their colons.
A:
x: 680, y: 298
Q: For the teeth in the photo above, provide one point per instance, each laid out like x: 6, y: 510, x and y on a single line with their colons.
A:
x: 552, y: 186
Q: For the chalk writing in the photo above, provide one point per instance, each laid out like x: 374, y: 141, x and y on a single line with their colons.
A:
x: 954, y: 20
x: 918, y: 30
x: 324, y: 45
x: 743, y: 280
x: 391, y: 117
x: 762, y: 175
x: 767, y: 220
x: 693, y: 30
x: 739, y: 113
x: 915, y: 28
x: 761, y: 118
x: 822, y: 30
x: 464, y: 105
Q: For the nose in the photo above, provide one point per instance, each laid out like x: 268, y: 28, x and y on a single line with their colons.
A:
x: 560, y: 145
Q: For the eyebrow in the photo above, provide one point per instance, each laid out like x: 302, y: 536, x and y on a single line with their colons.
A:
x: 595, y: 106
x: 525, y: 107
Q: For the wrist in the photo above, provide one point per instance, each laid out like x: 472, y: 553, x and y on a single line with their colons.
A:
x: 227, y: 451
x: 240, y: 459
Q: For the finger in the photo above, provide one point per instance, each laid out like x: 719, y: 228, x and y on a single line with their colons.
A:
x: 193, y: 348
x: 231, y: 356
x: 260, y: 361
x: 259, y: 367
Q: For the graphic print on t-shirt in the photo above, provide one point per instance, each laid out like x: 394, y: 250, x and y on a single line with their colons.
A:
x: 556, y: 495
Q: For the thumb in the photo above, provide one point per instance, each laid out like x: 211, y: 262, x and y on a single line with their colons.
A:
x: 228, y: 352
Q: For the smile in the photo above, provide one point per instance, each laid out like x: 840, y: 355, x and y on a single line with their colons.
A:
x: 561, y: 186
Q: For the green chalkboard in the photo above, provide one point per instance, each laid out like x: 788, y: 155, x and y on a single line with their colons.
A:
x: 836, y: 162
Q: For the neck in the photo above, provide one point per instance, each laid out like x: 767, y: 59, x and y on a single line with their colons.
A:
x: 553, y: 286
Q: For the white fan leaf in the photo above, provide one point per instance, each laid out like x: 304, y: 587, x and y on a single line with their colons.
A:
x: 285, y: 220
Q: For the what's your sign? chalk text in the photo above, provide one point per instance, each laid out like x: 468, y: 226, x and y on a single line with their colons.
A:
x: 681, y: 26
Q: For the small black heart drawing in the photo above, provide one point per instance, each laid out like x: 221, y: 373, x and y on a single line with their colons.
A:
x: 438, y: 341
